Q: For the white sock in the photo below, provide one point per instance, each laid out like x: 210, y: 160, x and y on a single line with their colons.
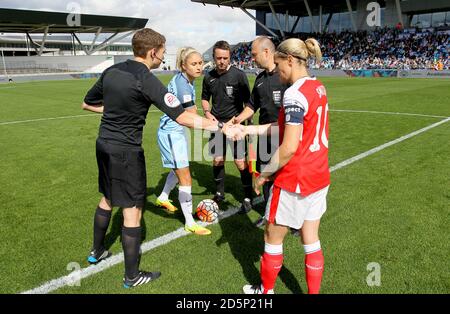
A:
x: 185, y: 198
x: 171, y: 182
x: 311, y: 248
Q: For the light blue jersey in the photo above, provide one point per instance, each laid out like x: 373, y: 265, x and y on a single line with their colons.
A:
x: 180, y: 86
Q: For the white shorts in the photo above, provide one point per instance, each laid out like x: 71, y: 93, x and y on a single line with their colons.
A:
x: 291, y: 209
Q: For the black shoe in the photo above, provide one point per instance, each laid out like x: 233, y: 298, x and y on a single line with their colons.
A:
x: 295, y: 232
x: 246, y: 206
x: 96, y: 256
x: 142, y: 278
x: 218, y: 198
x: 260, y: 222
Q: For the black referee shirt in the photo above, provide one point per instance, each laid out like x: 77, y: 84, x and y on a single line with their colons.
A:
x: 127, y: 90
x: 267, y: 95
x: 229, y: 92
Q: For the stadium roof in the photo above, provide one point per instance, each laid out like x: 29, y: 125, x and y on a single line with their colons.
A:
x: 295, y: 7
x: 28, y: 21
x: 21, y: 21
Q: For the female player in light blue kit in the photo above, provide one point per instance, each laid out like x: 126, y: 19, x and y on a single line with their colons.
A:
x: 173, y: 143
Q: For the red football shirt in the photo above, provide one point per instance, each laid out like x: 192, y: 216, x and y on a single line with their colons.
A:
x: 307, y: 171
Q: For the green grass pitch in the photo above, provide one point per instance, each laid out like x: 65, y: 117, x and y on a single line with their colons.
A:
x: 391, y: 208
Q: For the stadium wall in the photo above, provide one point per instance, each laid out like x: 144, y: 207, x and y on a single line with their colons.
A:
x: 37, y: 64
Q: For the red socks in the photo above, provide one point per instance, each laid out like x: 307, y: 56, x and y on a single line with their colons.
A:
x: 314, y: 269
x: 271, y: 263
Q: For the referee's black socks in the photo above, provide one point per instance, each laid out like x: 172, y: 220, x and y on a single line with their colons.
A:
x: 101, y: 223
x: 131, y: 244
x: 246, y: 179
x: 219, y: 178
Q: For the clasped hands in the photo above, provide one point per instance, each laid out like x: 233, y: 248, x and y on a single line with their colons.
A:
x: 234, y: 130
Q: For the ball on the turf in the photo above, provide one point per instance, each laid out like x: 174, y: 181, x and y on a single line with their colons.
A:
x: 207, y: 210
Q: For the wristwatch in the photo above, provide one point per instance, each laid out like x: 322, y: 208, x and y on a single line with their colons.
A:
x: 220, y: 125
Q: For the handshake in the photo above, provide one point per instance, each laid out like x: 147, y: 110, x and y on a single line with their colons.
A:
x: 234, y: 130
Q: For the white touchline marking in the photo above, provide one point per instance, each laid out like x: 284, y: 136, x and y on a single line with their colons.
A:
x: 153, y: 111
x: 387, y: 112
x: 381, y: 147
x: 58, y: 118
x: 46, y: 119
x: 147, y: 246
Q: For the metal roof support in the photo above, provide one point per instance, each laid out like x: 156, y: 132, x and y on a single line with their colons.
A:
x: 259, y: 23
x: 286, y: 21
x: 81, y: 44
x: 310, y: 16
x: 274, y: 15
x: 350, y: 11
x: 43, y: 40
x: 110, y: 41
x: 399, y: 11
x: 320, y: 19
x: 95, y: 39
x: 325, y: 28
x: 295, y: 24
x: 33, y: 44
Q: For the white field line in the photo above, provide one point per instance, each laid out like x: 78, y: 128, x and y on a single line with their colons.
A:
x: 147, y: 246
x: 152, y: 111
x: 387, y: 112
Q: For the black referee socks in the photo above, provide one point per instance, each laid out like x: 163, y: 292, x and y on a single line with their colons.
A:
x: 219, y: 178
x: 246, y: 179
x: 131, y: 244
x: 101, y: 223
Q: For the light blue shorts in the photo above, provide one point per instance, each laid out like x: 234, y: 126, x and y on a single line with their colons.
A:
x: 174, y: 149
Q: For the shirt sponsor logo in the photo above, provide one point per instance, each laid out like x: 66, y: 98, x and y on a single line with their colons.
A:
x: 292, y: 109
x: 259, y: 84
x: 187, y: 98
x: 230, y: 91
x: 171, y: 100
x: 276, y: 95
x: 212, y: 80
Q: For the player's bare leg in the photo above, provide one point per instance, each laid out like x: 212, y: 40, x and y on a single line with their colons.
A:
x: 314, y: 260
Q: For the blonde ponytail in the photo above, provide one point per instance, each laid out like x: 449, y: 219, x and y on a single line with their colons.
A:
x: 314, y: 49
x: 182, y: 55
x: 300, y: 49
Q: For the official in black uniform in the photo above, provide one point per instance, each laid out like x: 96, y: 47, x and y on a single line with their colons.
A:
x: 229, y: 90
x: 266, y: 97
x: 124, y: 94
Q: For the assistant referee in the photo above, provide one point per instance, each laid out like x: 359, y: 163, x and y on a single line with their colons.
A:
x: 266, y: 97
x: 124, y: 94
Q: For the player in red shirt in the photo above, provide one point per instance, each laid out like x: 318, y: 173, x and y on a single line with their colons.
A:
x: 299, y: 167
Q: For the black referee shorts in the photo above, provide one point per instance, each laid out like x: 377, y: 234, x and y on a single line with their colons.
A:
x: 122, y: 176
x: 218, y: 146
x: 266, y: 148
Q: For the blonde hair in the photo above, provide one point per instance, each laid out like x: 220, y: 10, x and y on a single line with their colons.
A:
x: 183, y: 54
x: 300, y: 49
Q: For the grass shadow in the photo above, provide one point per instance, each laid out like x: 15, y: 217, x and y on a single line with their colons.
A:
x: 246, y: 243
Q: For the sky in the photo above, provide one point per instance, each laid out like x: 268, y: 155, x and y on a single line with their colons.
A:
x: 182, y: 22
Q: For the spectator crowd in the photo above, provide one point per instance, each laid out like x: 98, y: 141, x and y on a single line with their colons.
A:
x: 404, y: 49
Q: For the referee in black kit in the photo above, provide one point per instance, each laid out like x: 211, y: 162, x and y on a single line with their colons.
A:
x: 229, y: 89
x: 267, y: 95
x: 124, y: 94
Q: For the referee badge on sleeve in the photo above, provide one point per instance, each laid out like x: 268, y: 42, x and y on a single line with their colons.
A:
x: 171, y: 100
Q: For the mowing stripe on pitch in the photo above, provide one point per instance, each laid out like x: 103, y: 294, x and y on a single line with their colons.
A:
x: 147, y: 246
